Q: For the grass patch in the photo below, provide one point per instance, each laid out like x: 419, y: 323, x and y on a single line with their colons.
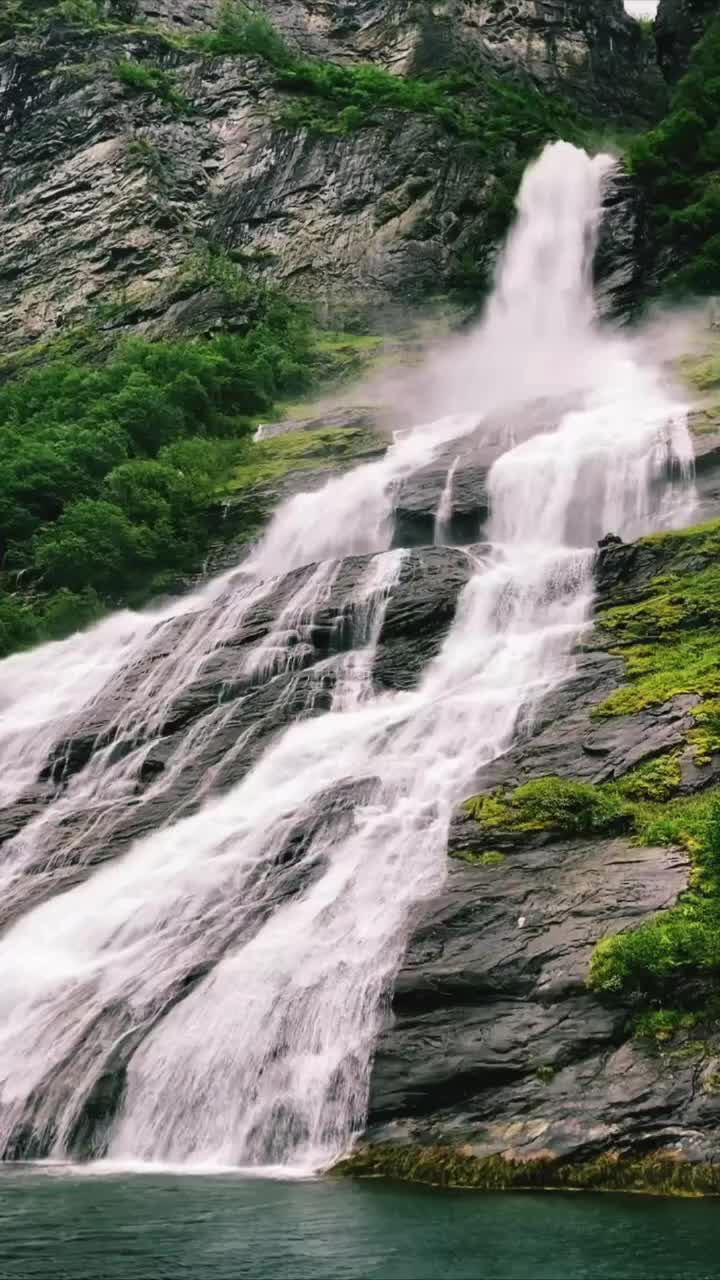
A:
x: 489, y: 858
x: 298, y: 451
x: 152, y: 82
x: 683, y: 942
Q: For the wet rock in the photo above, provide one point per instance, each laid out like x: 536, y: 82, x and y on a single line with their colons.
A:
x: 340, y: 419
x: 421, y: 608
x: 619, y: 266
x: 203, y: 739
x: 494, y: 1040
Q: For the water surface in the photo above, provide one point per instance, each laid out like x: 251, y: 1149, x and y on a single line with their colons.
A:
x: 158, y: 1227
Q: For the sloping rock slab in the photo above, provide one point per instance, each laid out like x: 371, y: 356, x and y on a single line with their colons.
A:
x: 494, y: 1040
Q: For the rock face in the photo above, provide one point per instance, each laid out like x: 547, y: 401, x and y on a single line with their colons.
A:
x: 106, y: 192
x: 678, y: 26
x: 592, y: 51
x: 495, y: 1045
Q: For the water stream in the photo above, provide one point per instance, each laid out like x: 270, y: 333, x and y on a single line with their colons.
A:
x: 212, y: 996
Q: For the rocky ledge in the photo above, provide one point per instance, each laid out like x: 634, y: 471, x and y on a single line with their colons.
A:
x: 500, y: 1065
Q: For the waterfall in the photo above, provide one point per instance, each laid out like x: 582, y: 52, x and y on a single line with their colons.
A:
x: 444, y: 511
x: 212, y: 996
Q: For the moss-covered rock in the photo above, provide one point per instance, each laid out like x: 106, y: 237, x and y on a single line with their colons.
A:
x: 658, y: 1173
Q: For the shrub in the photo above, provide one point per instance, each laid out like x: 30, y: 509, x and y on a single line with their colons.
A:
x: 552, y: 804
x: 18, y: 17
x: 142, y: 77
x: 241, y: 30
x: 650, y: 959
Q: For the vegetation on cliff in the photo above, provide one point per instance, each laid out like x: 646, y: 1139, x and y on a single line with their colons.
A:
x: 681, y: 942
x: 668, y: 639
x: 678, y: 165
x: 111, y: 464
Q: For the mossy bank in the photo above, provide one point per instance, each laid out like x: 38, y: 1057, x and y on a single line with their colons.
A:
x: 654, y: 1174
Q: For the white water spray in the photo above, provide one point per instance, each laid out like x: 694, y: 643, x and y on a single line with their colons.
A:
x: 215, y: 993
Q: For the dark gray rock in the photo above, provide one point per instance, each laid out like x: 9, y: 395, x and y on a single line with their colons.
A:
x: 619, y: 268
x: 204, y: 738
x: 419, y: 613
x: 495, y: 1043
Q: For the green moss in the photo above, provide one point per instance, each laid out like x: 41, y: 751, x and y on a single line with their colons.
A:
x: 653, y: 780
x: 670, y: 639
x: 23, y: 17
x: 685, y: 940
x: 298, y: 451
x: 546, y: 1073
x: 655, y: 1173
x: 705, y: 739
x: 703, y: 371
x: 489, y: 858
x: 551, y: 804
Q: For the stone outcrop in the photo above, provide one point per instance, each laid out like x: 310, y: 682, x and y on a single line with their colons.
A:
x: 495, y: 1046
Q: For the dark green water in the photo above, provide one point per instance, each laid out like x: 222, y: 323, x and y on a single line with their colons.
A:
x: 64, y: 1227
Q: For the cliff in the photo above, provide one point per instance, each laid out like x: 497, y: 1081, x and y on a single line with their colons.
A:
x: 126, y: 145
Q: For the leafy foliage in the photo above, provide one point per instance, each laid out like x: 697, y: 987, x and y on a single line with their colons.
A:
x: 653, y: 780
x: 108, y: 472
x: 678, y: 163
x: 241, y: 30
x: 143, y: 77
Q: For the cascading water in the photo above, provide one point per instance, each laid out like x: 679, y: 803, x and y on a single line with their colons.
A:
x: 444, y: 511
x: 212, y: 997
